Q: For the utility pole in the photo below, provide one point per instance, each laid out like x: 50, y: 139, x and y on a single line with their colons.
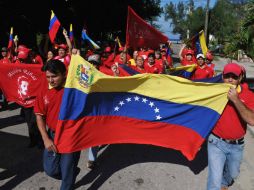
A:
x: 206, y: 19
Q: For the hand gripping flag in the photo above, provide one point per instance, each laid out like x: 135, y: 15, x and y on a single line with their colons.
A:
x: 53, y: 27
x: 199, y: 43
x: 155, y: 109
x: 10, y: 44
x: 141, y: 34
x: 86, y: 37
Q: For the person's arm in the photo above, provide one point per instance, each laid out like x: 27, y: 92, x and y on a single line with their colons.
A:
x: 180, y: 52
x: 68, y: 41
x: 115, y: 69
x: 246, y: 114
x: 48, y: 143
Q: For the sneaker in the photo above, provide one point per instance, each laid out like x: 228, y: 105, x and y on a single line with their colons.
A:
x: 91, y: 164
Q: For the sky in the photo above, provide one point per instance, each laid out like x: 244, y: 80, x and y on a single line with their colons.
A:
x: 165, y: 25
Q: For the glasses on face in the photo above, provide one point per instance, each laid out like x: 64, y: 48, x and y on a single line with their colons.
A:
x: 230, y: 75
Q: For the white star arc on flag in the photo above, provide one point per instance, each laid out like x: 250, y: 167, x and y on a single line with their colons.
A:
x: 136, y: 99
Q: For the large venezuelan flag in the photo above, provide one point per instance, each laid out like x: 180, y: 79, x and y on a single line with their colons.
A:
x: 155, y: 109
x: 53, y: 27
x: 199, y: 43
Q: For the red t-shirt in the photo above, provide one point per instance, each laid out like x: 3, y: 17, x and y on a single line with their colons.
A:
x: 201, y: 73
x: 5, y: 60
x: 155, y: 68
x: 185, y: 62
x: 66, y: 60
x: 137, y: 69
x: 47, y: 104
x: 168, y: 59
x: 230, y: 125
x: 119, y: 60
x: 108, y: 61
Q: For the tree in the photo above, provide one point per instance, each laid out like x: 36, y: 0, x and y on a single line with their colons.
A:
x: 244, y: 38
x: 224, y: 20
x: 185, y: 17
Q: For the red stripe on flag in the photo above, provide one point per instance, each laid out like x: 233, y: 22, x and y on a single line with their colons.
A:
x: 100, y: 130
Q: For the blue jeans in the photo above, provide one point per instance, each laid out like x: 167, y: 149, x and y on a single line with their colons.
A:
x: 61, y: 166
x: 92, y: 153
x: 224, y: 162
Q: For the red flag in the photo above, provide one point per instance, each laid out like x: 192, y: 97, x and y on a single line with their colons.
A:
x: 140, y: 34
x: 20, y: 82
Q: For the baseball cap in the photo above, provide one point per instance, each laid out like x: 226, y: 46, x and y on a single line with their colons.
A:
x: 209, y: 56
x: 22, y: 47
x: 189, y: 51
x: 107, y: 49
x: 62, y: 46
x: 121, y: 48
x: 4, y: 49
x: 23, y: 54
x: 232, y: 68
x: 200, y: 55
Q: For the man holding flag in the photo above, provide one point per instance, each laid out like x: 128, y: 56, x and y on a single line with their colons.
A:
x: 226, y: 142
x: 47, y: 106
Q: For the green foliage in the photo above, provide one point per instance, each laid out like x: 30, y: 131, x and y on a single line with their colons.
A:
x: 244, y: 38
x: 184, y: 17
x: 224, y: 20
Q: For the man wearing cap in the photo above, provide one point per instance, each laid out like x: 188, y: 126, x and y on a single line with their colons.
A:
x: 5, y: 58
x: 151, y: 66
x: 202, y: 71
x: 209, y: 59
x: 188, y: 58
x: 226, y: 142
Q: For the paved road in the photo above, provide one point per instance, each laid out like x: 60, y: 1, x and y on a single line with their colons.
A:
x: 122, y: 167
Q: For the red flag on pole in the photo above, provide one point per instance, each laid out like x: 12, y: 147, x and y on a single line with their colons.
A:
x: 141, y: 34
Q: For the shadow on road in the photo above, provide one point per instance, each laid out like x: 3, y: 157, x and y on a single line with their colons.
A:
x: 18, y: 161
x: 10, y: 121
x: 119, y: 156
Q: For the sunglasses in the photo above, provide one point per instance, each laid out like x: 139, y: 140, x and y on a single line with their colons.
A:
x: 230, y: 75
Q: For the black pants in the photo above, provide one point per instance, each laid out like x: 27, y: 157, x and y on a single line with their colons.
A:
x: 33, y: 131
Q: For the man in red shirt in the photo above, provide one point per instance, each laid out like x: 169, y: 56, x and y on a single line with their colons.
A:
x: 202, y: 71
x: 5, y: 57
x: 151, y: 66
x: 46, y: 109
x: 226, y: 142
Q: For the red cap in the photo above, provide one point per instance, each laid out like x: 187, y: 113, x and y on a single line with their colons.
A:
x: 22, y: 47
x: 209, y: 56
x: 190, y: 51
x: 121, y: 48
x: 23, y: 54
x: 233, y: 68
x: 150, y: 51
x: 107, y: 49
x: 62, y: 46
